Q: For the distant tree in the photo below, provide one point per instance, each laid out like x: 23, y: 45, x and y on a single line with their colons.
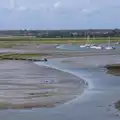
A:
x: 25, y: 32
x: 116, y: 32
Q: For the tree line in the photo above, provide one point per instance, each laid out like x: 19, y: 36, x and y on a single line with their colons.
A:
x: 63, y: 33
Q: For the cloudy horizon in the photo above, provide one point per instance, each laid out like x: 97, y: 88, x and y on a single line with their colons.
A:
x: 59, y: 14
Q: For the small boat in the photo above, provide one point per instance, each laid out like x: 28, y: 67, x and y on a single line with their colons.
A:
x: 99, y: 47
x: 45, y: 59
x: 87, y: 45
x: 109, y: 47
x: 83, y: 46
x: 96, y: 47
x: 93, y: 46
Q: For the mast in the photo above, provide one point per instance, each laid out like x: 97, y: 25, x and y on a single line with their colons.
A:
x: 109, y: 42
x: 88, y: 39
x: 93, y: 39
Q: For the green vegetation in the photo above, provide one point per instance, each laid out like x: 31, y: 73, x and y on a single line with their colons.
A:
x: 10, y: 42
x: 4, y: 105
x: 28, y: 55
x: 14, y: 56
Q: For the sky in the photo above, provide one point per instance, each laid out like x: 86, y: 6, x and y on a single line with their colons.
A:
x: 59, y: 14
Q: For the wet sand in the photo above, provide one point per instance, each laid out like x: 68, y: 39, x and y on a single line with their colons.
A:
x: 26, y: 85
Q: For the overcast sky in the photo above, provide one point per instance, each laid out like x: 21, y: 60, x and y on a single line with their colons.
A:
x: 59, y: 14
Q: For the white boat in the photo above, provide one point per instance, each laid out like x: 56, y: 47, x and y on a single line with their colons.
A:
x: 86, y: 45
x: 92, y: 45
x: 109, y: 47
x: 83, y: 46
x: 99, y: 47
x: 117, y: 43
x: 95, y: 46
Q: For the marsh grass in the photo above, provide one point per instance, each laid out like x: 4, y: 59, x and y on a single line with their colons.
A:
x: 23, y: 55
x: 4, y: 105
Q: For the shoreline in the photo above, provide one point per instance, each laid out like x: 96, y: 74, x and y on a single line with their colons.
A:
x: 116, y: 105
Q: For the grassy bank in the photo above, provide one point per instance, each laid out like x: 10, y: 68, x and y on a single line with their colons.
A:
x: 25, y: 55
x: 18, y: 38
x: 32, y: 39
x: 9, y: 42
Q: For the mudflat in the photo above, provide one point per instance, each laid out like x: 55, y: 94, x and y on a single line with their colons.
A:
x: 26, y: 85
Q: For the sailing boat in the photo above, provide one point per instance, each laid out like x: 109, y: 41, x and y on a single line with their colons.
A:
x: 96, y: 46
x: 109, y: 47
x: 86, y: 45
x: 93, y: 45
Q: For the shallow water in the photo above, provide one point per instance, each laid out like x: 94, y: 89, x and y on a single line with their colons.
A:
x: 96, y: 103
x: 75, y: 47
